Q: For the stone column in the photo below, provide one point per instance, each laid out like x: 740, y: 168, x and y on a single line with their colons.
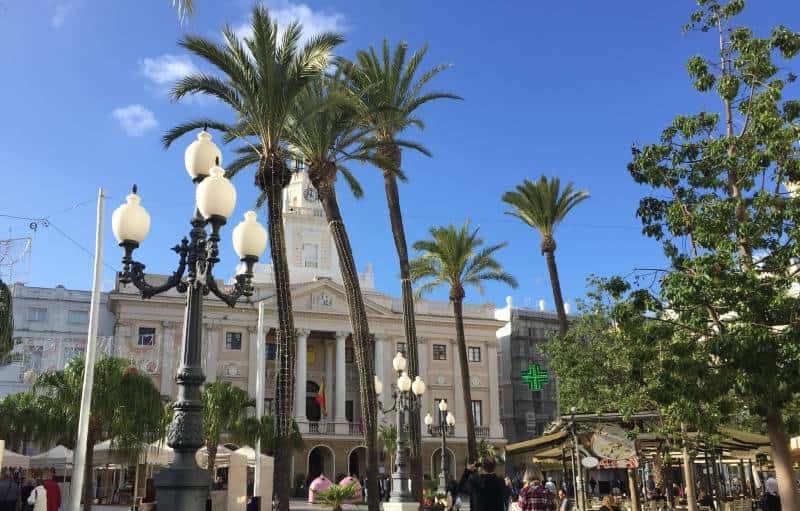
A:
x: 237, y: 483
x: 252, y: 363
x: 330, y: 353
x: 495, y: 428
x: 212, y: 353
x: 341, y: 368
x: 168, y: 343
x: 457, y: 406
x: 381, y: 346
x: 302, y: 375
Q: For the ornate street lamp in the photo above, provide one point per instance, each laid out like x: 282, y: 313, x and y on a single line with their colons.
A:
x: 400, y: 496
x: 445, y: 429
x: 183, y: 485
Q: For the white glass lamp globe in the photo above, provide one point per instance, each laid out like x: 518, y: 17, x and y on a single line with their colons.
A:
x: 443, y: 406
x: 404, y: 382
x: 399, y: 362
x: 249, y: 237
x: 418, y: 387
x: 201, y: 155
x: 428, y: 419
x: 451, y: 420
x: 130, y: 221
x: 378, y: 385
x: 215, y: 195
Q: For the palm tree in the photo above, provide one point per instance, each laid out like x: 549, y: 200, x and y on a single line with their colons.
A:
x: 391, y: 96
x: 224, y: 409
x: 387, y: 434
x: 324, y: 134
x: 262, y: 80
x: 455, y: 257
x: 185, y: 8
x: 543, y: 205
x: 251, y: 428
x: 128, y: 409
x: 19, y: 420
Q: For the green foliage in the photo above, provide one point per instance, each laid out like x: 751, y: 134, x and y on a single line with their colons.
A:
x: 336, y: 494
x: 387, y: 435
x: 126, y: 406
x: 488, y: 450
x: 19, y: 419
x: 454, y: 256
x: 224, y: 410
x: 250, y: 428
x: 543, y: 204
x: 725, y: 309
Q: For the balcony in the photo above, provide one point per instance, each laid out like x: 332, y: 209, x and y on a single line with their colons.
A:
x: 482, y: 431
x: 330, y: 428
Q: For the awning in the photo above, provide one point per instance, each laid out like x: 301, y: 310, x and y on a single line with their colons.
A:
x: 539, y: 444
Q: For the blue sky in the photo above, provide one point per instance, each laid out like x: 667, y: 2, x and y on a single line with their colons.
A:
x: 560, y: 88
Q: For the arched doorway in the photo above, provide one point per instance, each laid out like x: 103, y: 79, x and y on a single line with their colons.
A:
x: 450, y: 463
x: 320, y: 462
x: 313, y: 410
x: 357, y: 462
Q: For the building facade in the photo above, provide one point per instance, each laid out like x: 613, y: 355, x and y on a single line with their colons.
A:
x: 525, y: 413
x: 50, y: 329
x: 150, y: 331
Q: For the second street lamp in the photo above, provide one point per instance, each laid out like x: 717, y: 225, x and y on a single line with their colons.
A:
x: 183, y: 485
x: 445, y: 428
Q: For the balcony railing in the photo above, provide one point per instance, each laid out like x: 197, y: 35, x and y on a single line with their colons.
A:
x: 482, y: 431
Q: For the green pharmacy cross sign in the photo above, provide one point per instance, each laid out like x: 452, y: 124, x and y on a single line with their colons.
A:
x: 535, y: 376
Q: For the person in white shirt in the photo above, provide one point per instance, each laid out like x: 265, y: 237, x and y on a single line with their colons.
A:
x: 550, y: 485
x: 38, y: 497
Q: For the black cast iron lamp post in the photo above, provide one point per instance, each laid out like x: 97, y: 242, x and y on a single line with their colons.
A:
x: 400, y: 496
x: 445, y: 428
x: 183, y: 485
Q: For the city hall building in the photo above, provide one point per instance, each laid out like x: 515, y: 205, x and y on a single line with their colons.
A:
x: 149, y: 332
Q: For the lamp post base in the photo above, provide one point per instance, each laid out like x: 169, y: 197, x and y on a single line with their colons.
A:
x: 401, y: 506
x: 181, y: 487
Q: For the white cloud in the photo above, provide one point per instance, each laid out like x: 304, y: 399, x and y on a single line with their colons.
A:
x: 167, y: 68
x: 63, y: 9
x: 313, y: 22
x: 135, y: 119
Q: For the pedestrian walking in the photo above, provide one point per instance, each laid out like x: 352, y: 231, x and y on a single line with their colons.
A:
x: 486, y: 491
x: 564, y: 502
x: 53, y: 492
x: 9, y: 493
x: 534, y: 496
x: 38, y: 497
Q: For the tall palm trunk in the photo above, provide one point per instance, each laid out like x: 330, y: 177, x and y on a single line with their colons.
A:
x: 549, y: 249
x: 457, y: 298
x: 363, y: 343
x: 271, y: 178
x: 211, y: 450
x: 782, y: 459
x: 392, y: 154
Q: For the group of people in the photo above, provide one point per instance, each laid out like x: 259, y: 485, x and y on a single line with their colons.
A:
x: 18, y: 493
x: 488, y: 492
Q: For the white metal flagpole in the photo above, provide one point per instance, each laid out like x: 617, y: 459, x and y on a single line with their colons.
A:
x: 79, y: 464
x: 260, y: 370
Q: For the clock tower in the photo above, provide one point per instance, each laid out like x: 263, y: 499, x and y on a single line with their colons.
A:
x: 310, y: 250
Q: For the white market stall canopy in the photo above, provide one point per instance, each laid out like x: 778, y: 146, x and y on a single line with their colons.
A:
x: 13, y: 459
x: 59, y: 457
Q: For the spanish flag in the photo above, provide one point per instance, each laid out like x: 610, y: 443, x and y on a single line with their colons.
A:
x: 320, y: 398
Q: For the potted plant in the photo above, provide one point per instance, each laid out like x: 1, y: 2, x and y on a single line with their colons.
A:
x: 335, y: 495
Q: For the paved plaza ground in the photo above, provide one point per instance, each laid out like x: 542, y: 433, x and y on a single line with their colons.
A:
x: 298, y: 505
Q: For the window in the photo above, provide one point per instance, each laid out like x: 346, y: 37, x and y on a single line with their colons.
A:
x: 401, y: 348
x: 474, y: 354
x: 477, y: 413
x: 147, y: 336
x: 348, y: 410
x: 349, y: 355
x: 439, y: 352
x: 233, y: 340
x: 272, y: 351
x: 310, y: 255
x: 79, y: 317
x: 37, y: 314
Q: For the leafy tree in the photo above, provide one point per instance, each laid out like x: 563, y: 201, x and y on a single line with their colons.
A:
x: 730, y: 234
x: 391, y: 94
x: 263, y: 75
x: 326, y: 136
x: 455, y: 257
x: 543, y: 205
x: 126, y: 408
x: 387, y: 435
x: 224, y: 409
x: 19, y: 420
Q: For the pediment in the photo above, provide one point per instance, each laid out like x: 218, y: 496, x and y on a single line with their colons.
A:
x: 326, y: 296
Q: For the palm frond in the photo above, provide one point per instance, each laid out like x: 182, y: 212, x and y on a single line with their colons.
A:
x: 198, y: 124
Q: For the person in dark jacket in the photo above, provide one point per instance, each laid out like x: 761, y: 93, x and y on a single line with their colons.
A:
x: 486, y: 491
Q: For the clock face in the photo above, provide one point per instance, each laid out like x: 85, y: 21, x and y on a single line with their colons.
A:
x: 310, y: 194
